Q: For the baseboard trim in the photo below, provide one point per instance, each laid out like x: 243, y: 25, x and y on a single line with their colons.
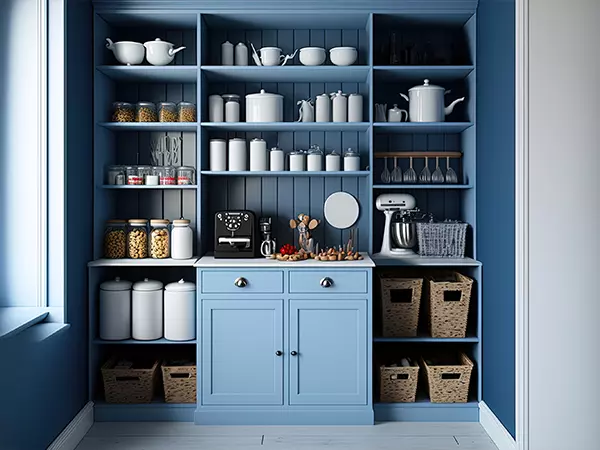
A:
x: 76, y: 430
x: 494, y: 428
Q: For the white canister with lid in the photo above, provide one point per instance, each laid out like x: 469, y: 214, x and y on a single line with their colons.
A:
x: 182, y: 240
x: 232, y: 107
x: 215, y: 108
x: 355, y: 108
x: 227, y: 53
x: 351, y: 161
x: 237, y: 155
x: 115, y: 310
x: 277, y: 160
x: 332, y: 162
x: 323, y: 108
x: 147, y: 310
x: 297, y: 161
x: 314, y: 159
x: 241, y: 54
x: 218, y: 155
x: 180, y: 311
x: 258, y: 155
x: 264, y: 107
x: 339, y: 107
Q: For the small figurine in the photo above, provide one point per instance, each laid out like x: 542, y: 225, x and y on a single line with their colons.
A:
x: 304, y: 224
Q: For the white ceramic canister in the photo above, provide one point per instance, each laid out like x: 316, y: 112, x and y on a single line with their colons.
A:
x: 232, y: 107
x: 241, y: 54
x: 351, y: 161
x: 339, y: 107
x: 332, y: 162
x: 297, y: 161
x: 264, y: 107
x: 323, y: 108
x: 258, y: 155
x: 115, y: 310
x: 147, y: 310
x: 227, y: 53
x: 237, y: 155
x: 314, y: 159
x: 355, y: 108
x: 277, y: 160
x: 180, y: 311
x: 218, y: 155
x: 182, y: 240
x: 215, y: 108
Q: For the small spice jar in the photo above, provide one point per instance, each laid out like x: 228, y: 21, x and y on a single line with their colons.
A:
x: 123, y: 112
x: 115, y: 239
x: 159, y: 239
x: 187, y: 112
x: 167, y: 112
x: 145, y: 112
x: 186, y: 175
x: 137, y: 239
x: 115, y: 175
x: 131, y: 173
x: 167, y: 175
x: 143, y: 172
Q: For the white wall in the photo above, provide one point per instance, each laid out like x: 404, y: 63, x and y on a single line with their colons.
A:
x: 564, y: 183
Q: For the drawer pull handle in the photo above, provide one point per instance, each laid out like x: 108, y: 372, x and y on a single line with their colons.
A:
x: 241, y: 282
x: 279, y: 353
x: 294, y: 353
x: 326, y: 282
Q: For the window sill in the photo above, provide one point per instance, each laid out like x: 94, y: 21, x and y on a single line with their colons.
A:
x: 14, y: 320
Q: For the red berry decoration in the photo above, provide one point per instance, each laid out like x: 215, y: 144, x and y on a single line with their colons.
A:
x: 287, y: 249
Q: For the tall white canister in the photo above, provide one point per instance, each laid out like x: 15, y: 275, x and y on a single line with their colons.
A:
x: 147, y: 310
x: 115, y: 310
x: 182, y: 240
x: 180, y: 311
x: 258, y: 155
x: 339, y: 107
x: 355, y: 108
x: 237, y: 155
x: 218, y: 155
x: 323, y: 108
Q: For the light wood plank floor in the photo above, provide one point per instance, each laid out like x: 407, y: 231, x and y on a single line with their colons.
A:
x: 384, y: 436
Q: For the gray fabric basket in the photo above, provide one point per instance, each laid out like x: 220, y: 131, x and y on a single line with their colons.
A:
x: 446, y: 240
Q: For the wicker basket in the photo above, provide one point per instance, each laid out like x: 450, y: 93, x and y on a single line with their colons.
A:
x: 446, y: 239
x: 448, y: 383
x: 400, y: 303
x: 449, y: 298
x: 130, y: 382
x: 179, y: 380
x: 398, y: 384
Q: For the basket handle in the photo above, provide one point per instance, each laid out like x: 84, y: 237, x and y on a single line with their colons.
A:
x: 451, y: 376
x: 127, y: 378
x: 180, y: 375
x: 399, y: 376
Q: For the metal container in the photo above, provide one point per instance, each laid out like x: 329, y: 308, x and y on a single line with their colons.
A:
x: 115, y: 310
x: 180, y: 311
x: 147, y: 310
x: 404, y: 233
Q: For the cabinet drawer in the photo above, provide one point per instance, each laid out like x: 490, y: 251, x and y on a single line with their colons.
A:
x: 226, y: 282
x: 329, y: 281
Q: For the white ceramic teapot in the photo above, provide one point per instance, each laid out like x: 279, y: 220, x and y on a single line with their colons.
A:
x: 160, y: 53
x: 426, y: 103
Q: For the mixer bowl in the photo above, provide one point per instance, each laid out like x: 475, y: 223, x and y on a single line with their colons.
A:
x: 404, y: 234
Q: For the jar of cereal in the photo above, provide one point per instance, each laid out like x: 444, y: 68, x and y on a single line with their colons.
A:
x: 145, y: 112
x: 159, y: 239
x: 123, y: 112
x: 167, y: 112
x: 115, y: 239
x: 137, y: 239
x: 187, y: 112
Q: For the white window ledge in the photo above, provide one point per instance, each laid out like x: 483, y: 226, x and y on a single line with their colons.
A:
x: 14, y: 320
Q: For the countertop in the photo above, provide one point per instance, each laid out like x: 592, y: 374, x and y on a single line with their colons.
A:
x: 209, y: 262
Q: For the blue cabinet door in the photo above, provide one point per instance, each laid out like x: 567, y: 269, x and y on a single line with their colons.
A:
x: 328, y: 352
x: 241, y: 345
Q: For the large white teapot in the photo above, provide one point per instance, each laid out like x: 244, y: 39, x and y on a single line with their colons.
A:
x: 426, y: 103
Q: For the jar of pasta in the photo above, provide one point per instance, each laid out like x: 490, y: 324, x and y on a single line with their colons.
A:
x: 167, y: 112
x: 123, y: 112
x: 160, y: 239
x: 187, y: 112
x: 137, y: 239
x: 145, y: 112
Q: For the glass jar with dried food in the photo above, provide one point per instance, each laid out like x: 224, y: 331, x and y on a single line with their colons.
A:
x: 145, y: 112
x: 167, y: 112
x: 123, y: 112
x: 133, y: 178
x: 143, y: 172
x: 160, y: 239
x: 115, y: 239
x: 167, y: 175
x: 137, y: 239
x: 186, y: 175
x: 187, y: 112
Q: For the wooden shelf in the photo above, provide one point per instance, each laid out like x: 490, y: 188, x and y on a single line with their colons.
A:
x: 290, y: 74
x: 145, y: 187
x: 286, y: 126
x: 422, y: 127
x: 150, y: 126
x: 136, y: 342
x: 146, y: 262
x: 437, y: 74
x: 151, y: 74
x: 405, y: 155
x: 362, y: 173
x: 423, y: 186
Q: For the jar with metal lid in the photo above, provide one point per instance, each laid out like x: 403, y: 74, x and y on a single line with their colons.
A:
x: 115, y: 239
x: 258, y: 155
x: 137, y: 239
x: 147, y: 310
x: 182, y: 240
x: 351, y: 161
x: 297, y: 161
x: 314, y: 159
x: 180, y: 311
x: 115, y: 310
x: 131, y: 172
x: 167, y: 112
x: 277, y: 160
x: 186, y: 175
x: 145, y: 112
x: 186, y: 112
x: 232, y: 107
x: 143, y: 172
x: 123, y: 112
x: 167, y: 175
x: 160, y: 240
x: 115, y: 175
x: 332, y: 162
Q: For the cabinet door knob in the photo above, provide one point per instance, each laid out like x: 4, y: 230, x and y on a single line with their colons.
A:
x: 279, y: 353
x: 326, y: 282
x: 294, y: 353
x: 241, y: 282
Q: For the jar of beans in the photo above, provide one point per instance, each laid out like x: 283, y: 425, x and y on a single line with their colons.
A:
x: 167, y: 112
x: 123, y: 112
x: 132, y: 177
x: 137, y: 239
x: 145, y: 112
x: 186, y: 175
x: 187, y: 112
x: 167, y: 175
x: 159, y: 239
x: 115, y: 239
x: 143, y: 172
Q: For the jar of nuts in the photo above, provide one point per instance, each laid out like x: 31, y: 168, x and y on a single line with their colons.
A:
x: 115, y: 239
x: 186, y: 175
x: 167, y: 112
x: 131, y: 174
x: 187, y: 112
x: 137, y: 239
x: 159, y: 239
x: 145, y: 112
x: 123, y: 112
x: 167, y: 175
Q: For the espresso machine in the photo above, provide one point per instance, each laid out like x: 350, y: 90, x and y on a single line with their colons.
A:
x: 268, y: 247
x: 235, y: 234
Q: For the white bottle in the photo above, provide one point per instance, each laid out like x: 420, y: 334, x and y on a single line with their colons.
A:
x: 215, y: 108
x: 227, y: 53
x: 355, y: 108
x: 258, y: 155
x: 339, y: 107
x: 237, y: 155
x: 182, y: 240
x: 115, y: 310
x: 147, y: 310
x: 323, y: 108
x: 277, y: 160
x: 180, y: 311
x: 241, y: 54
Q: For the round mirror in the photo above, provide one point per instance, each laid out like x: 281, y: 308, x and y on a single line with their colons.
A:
x: 341, y: 210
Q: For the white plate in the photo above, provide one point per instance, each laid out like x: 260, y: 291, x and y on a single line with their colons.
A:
x: 341, y: 210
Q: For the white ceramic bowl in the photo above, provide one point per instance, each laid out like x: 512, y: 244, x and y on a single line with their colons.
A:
x: 127, y: 52
x: 312, y: 56
x: 343, y: 56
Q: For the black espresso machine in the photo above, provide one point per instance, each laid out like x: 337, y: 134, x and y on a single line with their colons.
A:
x: 235, y: 234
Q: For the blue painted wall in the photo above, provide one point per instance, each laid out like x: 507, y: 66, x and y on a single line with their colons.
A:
x: 495, y: 201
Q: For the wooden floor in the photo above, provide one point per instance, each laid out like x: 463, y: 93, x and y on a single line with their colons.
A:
x: 385, y: 436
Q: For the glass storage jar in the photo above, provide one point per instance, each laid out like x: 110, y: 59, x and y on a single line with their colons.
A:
x: 186, y: 175
x: 123, y: 112
x: 145, y: 112
x: 182, y: 239
x: 137, y: 239
x: 115, y: 175
x: 186, y: 112
x: 167, y: 112
x: 167, y: 175
x: 115, y: 239
x: 232, y: 107
x: 133, y: 178
x: 160, y: 240
x: 143, y: 172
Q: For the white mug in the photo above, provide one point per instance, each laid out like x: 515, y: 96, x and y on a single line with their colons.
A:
x: 270, y: 56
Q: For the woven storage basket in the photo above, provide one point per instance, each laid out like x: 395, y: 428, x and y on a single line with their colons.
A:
x: 135, y: 384
x: 445, y: 240
x: 398, y: 384
x: 448, y: 383
x: 400, y: 318
x: 179, y: 380
x: 449, y: 300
